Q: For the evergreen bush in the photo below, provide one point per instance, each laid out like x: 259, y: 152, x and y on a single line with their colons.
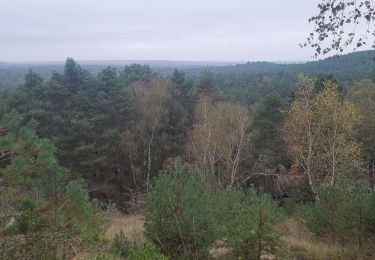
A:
x: 179, y: 215
x: 185, y: 216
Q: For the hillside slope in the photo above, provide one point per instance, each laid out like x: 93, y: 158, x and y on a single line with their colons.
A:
x: 349, y: 67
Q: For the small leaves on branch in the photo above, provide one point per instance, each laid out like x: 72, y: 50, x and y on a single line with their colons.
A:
x: 340, y: 25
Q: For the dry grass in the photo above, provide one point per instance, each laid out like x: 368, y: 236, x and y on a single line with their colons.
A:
x: 130, y: 225
x: 300, y: 243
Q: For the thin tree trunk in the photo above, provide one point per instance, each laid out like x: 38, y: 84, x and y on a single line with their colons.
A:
x: 208, y: 130
x: 207, y: 144
x: 149, y: 157
x: 236, y: 163
x: 334, y: 150
x: 309, y: 161
x: 148, y: 166
x: 133, y: 170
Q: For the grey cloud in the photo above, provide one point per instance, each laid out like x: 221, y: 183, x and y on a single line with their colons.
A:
x: 154, y: 29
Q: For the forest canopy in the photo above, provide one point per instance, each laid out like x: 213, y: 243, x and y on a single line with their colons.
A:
x: 259, y: 149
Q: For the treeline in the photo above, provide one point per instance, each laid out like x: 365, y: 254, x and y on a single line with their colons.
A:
x: 119, y: 129
x: 349, y: 67
x: 345, y: 68
x: 303, y: 143
x: 116, y: 130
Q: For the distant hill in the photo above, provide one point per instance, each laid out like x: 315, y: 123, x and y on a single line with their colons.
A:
x: 354, y: 66
x: 349, y: 67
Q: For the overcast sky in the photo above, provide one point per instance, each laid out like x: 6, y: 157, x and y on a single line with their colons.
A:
x: 198, y: 30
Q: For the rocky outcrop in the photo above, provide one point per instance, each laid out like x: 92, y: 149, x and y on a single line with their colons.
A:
x: 275, y: 181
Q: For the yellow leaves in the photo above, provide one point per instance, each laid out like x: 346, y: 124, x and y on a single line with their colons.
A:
x: 306, y: 84
x: 337, y: 119
x: 319, y: 133
x: 331, y: 109
x: 327, y: 101
x: 299, y: 122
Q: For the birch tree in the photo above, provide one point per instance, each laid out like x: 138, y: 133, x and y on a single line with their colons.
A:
x: 231, y: 121
x: 219, y: 138
x: 319, y: 134
x: 150, y: 103
x: 299, y: 132
x: 339, y: 152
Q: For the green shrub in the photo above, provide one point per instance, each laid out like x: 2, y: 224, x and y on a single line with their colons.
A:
x: 251, y: 229
x: 349, y: 222
x: 179, y: 216
x: 10, y: 247
x: 120, y: 245
x: 320, y: 215
x: 53, y: 217
x: 106, y: 256
x: 185, y: 216
x: 370, y: 211
x: 339, y: 213
x: 84, y: 215
x: 146, y: 251
x: 295, y: 199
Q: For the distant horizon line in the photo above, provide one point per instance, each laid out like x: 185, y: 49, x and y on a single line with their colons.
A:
x: 107, y: 61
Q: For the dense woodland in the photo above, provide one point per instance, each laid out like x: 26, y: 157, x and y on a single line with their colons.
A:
x: 347, y: 68
x: 217, y: 157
